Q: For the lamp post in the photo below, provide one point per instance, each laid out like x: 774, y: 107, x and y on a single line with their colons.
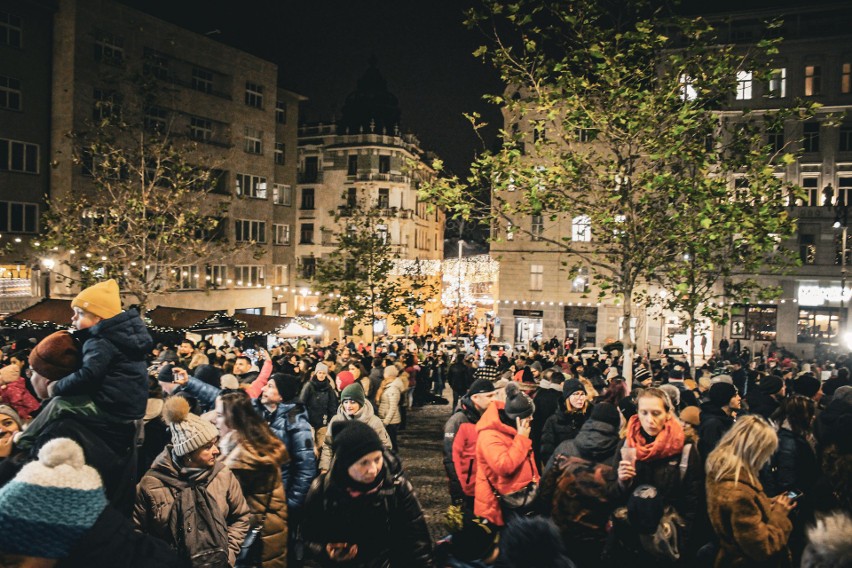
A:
x: 841, y: 221
x: 458, y: 302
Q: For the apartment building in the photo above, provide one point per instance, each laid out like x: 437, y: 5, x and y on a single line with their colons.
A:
x: 225, y: 100
x: 537, y: 298
x: 364, y: 156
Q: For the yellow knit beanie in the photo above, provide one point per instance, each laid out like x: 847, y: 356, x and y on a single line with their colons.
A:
x: 102, y: 299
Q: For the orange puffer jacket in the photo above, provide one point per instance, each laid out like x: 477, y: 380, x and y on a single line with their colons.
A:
x: 504, y: 459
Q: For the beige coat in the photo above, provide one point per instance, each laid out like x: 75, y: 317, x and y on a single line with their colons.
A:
x: 751, y: 531
x: 258, y: 476
x: 154, y: 501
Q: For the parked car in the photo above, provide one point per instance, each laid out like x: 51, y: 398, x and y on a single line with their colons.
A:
x: 495, y: 348
x: 674, y: 353
x: 587, y: 352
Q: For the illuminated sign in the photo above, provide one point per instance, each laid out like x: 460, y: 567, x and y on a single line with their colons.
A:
x: 821, y: 295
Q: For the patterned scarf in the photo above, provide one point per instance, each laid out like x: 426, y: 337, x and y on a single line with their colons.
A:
x: 669, y: 441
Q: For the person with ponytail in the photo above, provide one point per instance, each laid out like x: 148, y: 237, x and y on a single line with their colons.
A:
x: 255, y: 455
x: 753, y: 529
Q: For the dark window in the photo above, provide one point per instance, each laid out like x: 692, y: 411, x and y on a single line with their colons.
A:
x: 384, y: 198
x: 775, y: 139
x: 306, y: 234
x: 10, y: 93
x: 309, y: 267
x: 807, y: 248
x: 18, y: 156
x: 254, y: 95
x: 810, y: 139
x: 311, y: 173
x: 352, y: 168
x: 202, y: 80
x: 351, y: 197
x: 279, y: 153
x: 281, y: 112
x: 537, y: 228
x: 307, y: 198
x: 11, y: 29
x: 18, y: 217
x: 845, y: 138
x: 384, y: 164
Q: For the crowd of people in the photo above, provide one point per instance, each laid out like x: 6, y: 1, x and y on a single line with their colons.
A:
x: 119, y: 451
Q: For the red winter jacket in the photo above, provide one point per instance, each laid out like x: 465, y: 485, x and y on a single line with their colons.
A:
x: 16, y: 395
x: 464, y: 456
x: 504, y: 459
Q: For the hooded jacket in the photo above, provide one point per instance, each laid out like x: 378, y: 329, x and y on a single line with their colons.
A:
x: 466, y: 413
x: 389, y: 404
x: 504, y: 461
x: 264, y: 493
x: 751, y: 531
x: 365, y: 415
x: 114, y: 373
x: 320, y: 400
x: 155, y: 499
x: 387, y: 524
x: 596, y: 441
x: 16, y: 395
x: 290, y: 424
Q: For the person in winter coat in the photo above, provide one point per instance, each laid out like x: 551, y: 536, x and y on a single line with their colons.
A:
x: 112, y: 381
x: 41, y: 529
x: 767, y: 396
x: 363, y: 512
x: 353, y: 406
x: 256, y: 455
x: 717, y: 415
x: 460, y: 458
x: 566, y: 424
x: 389, y: 395
x: 663, y: 460
x: 460, y: 377
x: 580, y: 517
x: 752, y: 528
x: 320, y: 400
x: 794, y: 464
x: 504, y: 459
x: 13, y: 392
x: 548, y: 399
x: 10, y: 424
x: 187, y: 486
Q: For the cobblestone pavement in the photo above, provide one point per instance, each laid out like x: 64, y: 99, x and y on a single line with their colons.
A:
x: 420, y: 448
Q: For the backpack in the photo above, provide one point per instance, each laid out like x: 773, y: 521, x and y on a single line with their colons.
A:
x: 580, y: 499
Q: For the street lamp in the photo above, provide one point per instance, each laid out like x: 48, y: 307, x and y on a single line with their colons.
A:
x: 841, y: 221
x: 458, y: 302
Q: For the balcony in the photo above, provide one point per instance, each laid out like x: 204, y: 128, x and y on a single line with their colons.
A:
x: 309, y: 177
x: 396, y: 178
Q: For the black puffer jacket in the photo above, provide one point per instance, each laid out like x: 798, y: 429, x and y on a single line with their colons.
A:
x: 595, y: 442
x: 761, y: 403
x: 560, y: 427
x: 114, y: 373
x: 387, y: 525
x: 792, y: 466
x: 320, y: 400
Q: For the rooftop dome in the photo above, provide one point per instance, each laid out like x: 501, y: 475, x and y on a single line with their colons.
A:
x: 370, y: 107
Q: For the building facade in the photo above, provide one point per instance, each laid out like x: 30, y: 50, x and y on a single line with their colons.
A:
x: 364, y: 160
x: 539, y: 295
x: 224, y: 100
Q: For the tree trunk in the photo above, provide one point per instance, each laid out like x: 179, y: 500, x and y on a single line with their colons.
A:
x: 627, y: 340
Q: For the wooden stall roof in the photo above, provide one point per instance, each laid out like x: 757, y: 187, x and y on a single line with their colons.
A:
x: 262, y: 325
x: 48, y: 313
x: 164, y: 318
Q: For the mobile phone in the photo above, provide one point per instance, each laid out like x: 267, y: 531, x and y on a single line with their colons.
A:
x: 793, y: 495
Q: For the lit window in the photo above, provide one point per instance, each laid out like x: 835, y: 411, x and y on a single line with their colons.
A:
x: 282, y: 194
x: 251, y: 186
x: 687, y: 88
x: 778, y: 83
x: 813, y: 82
x: 846, y: 78
x: 536, y: 276
x: 744, y: 80
x: 580, y: 283
x: 581, y: 229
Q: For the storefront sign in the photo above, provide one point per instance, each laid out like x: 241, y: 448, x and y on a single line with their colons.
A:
x: 821, y: 295
x: 528, y: 313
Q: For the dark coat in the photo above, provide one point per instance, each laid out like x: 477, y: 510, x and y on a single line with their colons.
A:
x: 792, y: 466
x: 761, y: 403
x: 714, y: 424
x: 114, y: 372
x: 548, y: 400
x: 112, y: 542
x: 320, y: 400
x: 387, y: 525
x: 290, y: 424
x: 460, y: 377
x: 560, y: 427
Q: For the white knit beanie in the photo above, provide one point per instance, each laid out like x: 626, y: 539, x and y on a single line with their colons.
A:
x: 189, y: 432
x: 321, y: 367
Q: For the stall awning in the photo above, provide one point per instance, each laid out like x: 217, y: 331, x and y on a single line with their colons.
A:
x: 164, y: 319
x: 47, y: 314
x: 257, y: 325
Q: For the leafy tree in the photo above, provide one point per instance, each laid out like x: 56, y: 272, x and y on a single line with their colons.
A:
x: 147, y: 207
x: 364, y: 279
x: 612, y: 121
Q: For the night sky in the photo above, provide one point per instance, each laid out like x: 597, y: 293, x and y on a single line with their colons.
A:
x: 322, y: 47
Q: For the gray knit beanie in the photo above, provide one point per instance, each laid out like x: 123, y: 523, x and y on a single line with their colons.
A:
x: 189, y: 432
